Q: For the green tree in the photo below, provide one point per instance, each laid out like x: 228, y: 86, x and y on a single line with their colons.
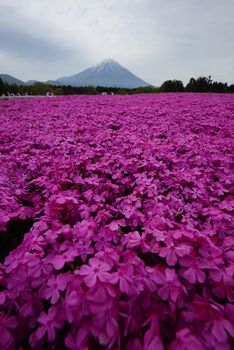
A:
x: 201, y: 84
x: 230, y: 88
x: 1, y: 87
x: 172, y: 86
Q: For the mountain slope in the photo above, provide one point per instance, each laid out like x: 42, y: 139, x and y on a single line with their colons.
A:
x: 107, y: 73
x: 31, y: 82
x: 6, y: 78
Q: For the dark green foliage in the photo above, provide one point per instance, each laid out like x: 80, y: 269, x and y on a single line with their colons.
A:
x: 230, y: 88
x: 1, y: 87
x: 204, y: 84
x: 43, y: 89
x: 201, y: 84
x: 172, y: 86
x: 219, y: 87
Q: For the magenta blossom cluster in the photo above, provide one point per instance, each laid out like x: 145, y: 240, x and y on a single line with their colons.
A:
x: 116, y: 227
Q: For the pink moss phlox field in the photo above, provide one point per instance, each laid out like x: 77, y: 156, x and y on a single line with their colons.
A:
x: 116, y: 227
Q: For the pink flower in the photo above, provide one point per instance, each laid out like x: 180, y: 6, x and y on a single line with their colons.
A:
x: 101, y: 297
x: 6, y: 324
x: 172, y: 252
x: 76, y: 303
x: 58, y: 260
x: 195, y: 266
x: 102, y: 217
x: 16, y: 283
x: 106, y: 326
x: 103, y: 239
x: 185, y: 341
x: 153, y: 344
x: 84, y: 249
x: 96, y: 270
x: 171, y: 285
x: 50, y: 322
x: 54, y: 287
x: 109, y: 255
x: 3, y: 296
x: 221, y: 329
x: 152, y: 340
x: 134, y: 239
x: 37, y: 269
x: 117, y: 211
x: 79, y: 341
x: 84, y: 229
x: 127, y: 208
x: 125, y: 277
x: 116, y: 224
x: 30, y: 303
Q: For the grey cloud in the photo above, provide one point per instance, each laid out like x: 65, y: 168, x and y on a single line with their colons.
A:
x: 26, y: 38
x: 156, y: 39
x: 29, y: 46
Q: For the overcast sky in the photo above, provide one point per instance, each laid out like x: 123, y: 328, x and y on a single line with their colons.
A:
x: 155, y: 39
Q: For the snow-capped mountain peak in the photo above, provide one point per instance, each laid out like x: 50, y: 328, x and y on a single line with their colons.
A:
x: 105, y: 65
x: 107, y: 73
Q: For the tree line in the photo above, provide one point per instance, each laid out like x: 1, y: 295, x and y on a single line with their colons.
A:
x: 201, y: 84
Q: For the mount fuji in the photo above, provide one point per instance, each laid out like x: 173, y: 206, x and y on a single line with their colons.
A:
x: 108, y: 73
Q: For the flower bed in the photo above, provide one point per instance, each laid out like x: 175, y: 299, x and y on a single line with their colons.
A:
x: 116, y: 227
